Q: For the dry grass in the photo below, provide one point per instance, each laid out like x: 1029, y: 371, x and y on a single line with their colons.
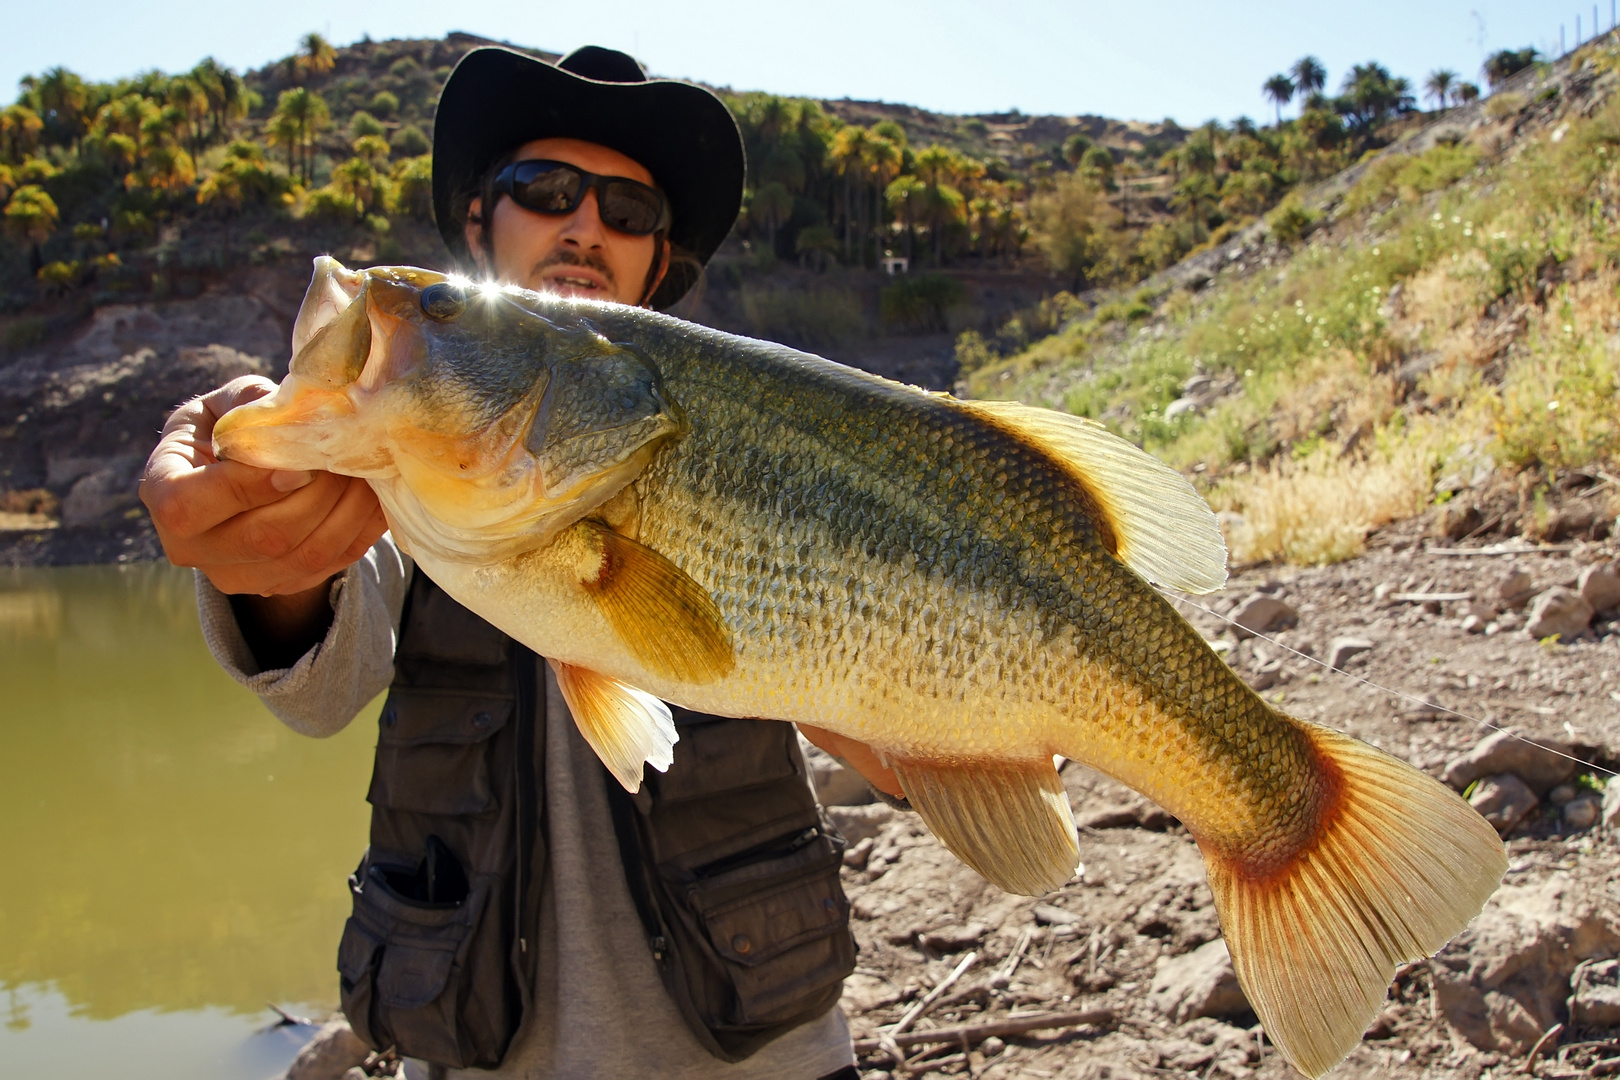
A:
x: 1321, y: 508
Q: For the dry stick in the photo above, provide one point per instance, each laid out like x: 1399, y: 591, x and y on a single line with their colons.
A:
x: 1009, y: 966
x: 1535, y: 1051
x: 921, y: 1007
x: 977, y: 1033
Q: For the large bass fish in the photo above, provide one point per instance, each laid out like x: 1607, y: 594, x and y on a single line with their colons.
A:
x: 667, y: 512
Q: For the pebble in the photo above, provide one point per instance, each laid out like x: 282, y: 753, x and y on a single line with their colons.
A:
x: 1611, y: 805
x: 1596, y: 1002
x: 1341, y: 649
x: 1260, y: 613
x: 1561, y: 794
x: 992, y: 1046
x: 1503, y: 800
x: 1582, y: 813
x: 1516, y: 588
x: 1541, y: 764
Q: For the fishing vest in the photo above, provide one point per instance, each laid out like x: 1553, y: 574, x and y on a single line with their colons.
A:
x: 732, y: 869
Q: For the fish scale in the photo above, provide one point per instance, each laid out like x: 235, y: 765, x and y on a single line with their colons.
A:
x: 664, y: 511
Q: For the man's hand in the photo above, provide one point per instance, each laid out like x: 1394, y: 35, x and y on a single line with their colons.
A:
x: 272, y: 536
x: 859, y: 756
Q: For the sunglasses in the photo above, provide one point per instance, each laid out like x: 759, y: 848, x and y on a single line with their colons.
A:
x: 553, y: 187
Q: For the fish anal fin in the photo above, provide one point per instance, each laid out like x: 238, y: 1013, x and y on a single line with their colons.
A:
x: 666, y: 619
x: 1398, y: 865
x: 1009, y: 821
x: 1161, y: 526
x: 625, y: 726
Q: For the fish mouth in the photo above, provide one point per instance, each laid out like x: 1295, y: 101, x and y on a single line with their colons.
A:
x: 333, y: 343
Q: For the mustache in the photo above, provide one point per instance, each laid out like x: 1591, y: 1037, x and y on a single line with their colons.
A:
x: 568, y: 257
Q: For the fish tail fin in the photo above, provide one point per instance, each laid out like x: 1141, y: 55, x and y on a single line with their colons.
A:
x: 1399, y: 864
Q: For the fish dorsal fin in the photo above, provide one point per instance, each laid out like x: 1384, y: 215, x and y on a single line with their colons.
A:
x: 625, y: 726
x: 665, y: 618
x: 1008, y: 820
x: 1165, y: 530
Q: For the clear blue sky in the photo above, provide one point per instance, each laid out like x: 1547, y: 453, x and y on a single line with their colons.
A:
x: 1132, y: 60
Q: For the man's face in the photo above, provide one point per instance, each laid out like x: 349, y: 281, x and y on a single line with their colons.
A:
x: 570, y: 254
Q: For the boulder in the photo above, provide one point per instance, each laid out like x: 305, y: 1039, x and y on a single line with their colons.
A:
x: 1595, y: 1000
x: 1259, y: 614
x: 330, y: 1055
x: 1559, y: 611
x: 1540, y: 764
x: 856, y: 823
x: 1599, y: 585
x: 1611, y: 805
x: 1199, y: 983
x: 103, y: 492
x: 1505, y: 979
x: 1341, y: 649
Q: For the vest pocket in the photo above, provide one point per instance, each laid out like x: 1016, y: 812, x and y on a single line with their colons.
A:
x: 776, y: 927
x: 432, y: 752
x: 405, y: 970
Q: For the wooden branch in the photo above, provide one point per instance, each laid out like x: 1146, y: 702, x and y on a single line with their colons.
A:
x: 977, y: 1033
x: 916, y: 1011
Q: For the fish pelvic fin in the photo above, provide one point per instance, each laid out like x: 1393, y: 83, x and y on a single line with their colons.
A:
x: 667, y: 620
x: 1009, y: 821
x: 625, y: 726
x: 1162, y: 527
x: 1399, y: 864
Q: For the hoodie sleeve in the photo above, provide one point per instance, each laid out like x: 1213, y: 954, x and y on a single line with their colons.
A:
x: 336, y: 678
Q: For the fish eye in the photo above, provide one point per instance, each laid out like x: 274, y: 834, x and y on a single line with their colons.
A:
x: 443, y: 301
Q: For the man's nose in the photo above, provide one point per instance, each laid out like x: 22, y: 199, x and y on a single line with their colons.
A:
x: 584, y: 226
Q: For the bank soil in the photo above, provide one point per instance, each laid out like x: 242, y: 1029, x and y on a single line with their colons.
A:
x: 1127, y: 958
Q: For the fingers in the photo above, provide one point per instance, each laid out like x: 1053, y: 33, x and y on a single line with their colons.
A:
x: 325, y: 544
x: 858, y: 756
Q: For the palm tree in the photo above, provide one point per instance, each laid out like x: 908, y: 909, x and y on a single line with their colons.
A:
x: 883, y: 160
x: 315, y: 56
x: 1280, y: 89
x: 1196, y: 195
x: 307, y: 111
x: 1309, y: 76
x: 1437, y: 87
x: 905, y: 198
x: 20, y: 127
x: 1503, y: 64
x: 31, y: 215
x: 283, y: 131
x: 771, y: 206
x: 1075, y: 147
x: 62, y: 98
x: 1464, y: 93
x: 849, y: 155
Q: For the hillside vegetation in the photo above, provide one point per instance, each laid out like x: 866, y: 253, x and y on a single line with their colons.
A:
x: 1444, y: 329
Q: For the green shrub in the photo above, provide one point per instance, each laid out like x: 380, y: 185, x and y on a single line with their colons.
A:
x: 409, y: 141
x: 1290, y: 221
x: 923, y: 302
x: 384, y: 103
x: 362, y: 124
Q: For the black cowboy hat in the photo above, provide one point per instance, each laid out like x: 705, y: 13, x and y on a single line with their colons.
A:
x: 498, y: 99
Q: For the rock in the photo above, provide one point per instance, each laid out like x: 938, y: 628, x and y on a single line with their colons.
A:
x: 1260, y: 613
x: 1562, y: 794
x: 1559, y: 611
x: 1599, y: 586
x: 855, y: 857
x: 1052, y: 915
x: 1473, y: 624
x: 1611, y: 805
x: 1199, y: 983
x: 1180, y: 407
x: 1139, y: 813
x: 953, y: 939
x: 836, y: 784
x: 1582, y: 813
x: 1596, y: 998
x: 1457, y: 519
x: 856, y: 823
x: 1503, y: 800
x: 1341, y: 649
x: 104, y: 492
x: 1505, y: 979
x: 1542, y: 764
x: 992, y: 1046
x: 330, y: 1055
x: 1516, y: 588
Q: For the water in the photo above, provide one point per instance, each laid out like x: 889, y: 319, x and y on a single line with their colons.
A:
x: 171, y: 857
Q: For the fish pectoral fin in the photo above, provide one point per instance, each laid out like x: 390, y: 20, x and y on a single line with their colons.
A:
x: 625, y: 726
x: 1163, y: 528
x: 1397, y: 866
x: 1010, y: 821
x: 668, y: 620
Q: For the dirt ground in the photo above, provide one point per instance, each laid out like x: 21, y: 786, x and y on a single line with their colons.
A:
x: 1098, y: 942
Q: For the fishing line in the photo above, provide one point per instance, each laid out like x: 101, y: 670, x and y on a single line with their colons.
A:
x: 1388, y: 690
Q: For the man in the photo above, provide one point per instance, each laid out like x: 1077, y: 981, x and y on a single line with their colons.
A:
x: 515, y: 909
